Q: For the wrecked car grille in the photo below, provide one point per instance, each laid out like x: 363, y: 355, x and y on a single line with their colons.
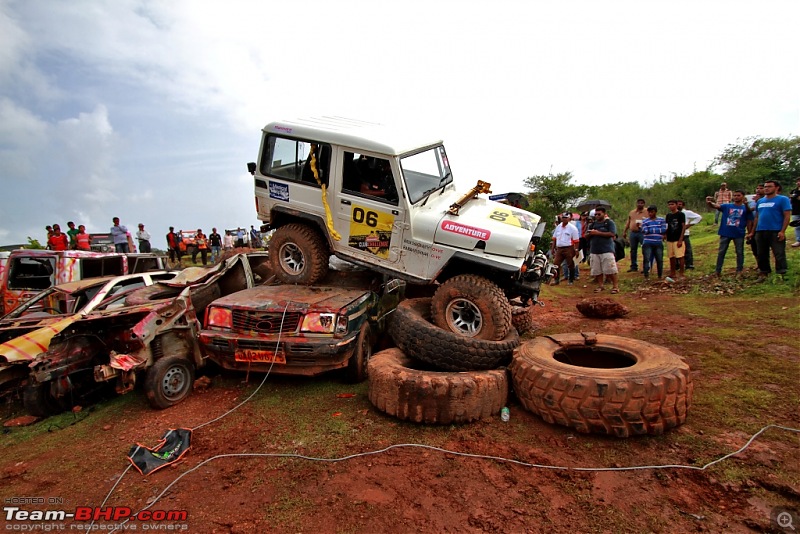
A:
x: 265, y: 323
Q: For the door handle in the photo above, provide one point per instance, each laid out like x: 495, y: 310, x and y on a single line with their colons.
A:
x: 395, y: 212
x: 346, y: 202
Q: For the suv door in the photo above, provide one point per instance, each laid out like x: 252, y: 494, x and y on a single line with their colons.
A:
x: 369, y: 213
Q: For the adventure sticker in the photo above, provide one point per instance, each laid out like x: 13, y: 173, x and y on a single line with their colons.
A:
x: 463, y: 229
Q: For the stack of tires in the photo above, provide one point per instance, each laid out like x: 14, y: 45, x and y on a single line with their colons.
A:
x: 436, y: 375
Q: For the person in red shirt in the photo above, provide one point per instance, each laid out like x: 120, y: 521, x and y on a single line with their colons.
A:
x: 58, y: 241
x: 83, y: 241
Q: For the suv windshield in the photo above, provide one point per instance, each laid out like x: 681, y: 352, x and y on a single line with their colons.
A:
x: 425, y: 172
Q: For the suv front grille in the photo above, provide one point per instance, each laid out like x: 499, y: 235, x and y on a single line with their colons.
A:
x: 265, y: 323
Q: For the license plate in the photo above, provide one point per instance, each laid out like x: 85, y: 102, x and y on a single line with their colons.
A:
x: 261, y: 356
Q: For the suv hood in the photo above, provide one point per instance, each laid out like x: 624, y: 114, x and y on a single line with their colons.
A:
x: 505, y: 230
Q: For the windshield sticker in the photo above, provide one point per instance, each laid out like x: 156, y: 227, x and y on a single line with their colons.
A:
x: 278, y: 191
x: 370, y: 231
x: 463, y: 229
x: 514, y: 218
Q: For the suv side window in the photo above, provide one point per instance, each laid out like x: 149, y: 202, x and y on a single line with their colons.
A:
x: 290, y: 159
x: 368, y: 176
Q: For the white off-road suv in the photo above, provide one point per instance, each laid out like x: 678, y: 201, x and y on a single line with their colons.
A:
x: 385, y: 199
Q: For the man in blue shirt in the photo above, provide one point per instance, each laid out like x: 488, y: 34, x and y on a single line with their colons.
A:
x: 120, y: 235
x: 654, y: 232
x: 737, y: 221
x: 601, y: 250
x: 771, y: 219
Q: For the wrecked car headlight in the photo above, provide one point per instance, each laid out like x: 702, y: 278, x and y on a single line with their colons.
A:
x: 219, y: 318
x: 319, y: 323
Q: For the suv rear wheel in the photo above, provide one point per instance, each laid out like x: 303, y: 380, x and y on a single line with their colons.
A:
x: 298, y: 255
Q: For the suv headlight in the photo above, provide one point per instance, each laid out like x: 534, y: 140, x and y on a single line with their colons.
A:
x: 319, y: 323
x: 219, y: 318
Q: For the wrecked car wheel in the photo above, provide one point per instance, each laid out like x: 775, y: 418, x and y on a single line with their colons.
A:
x: 472, y: 306
x: 169, y: 381
x: 413, y: 332
x: 357, y: 365
x: 39, y: 401
x: 602, y: 384
x: 398, y: 386
x: 298, y: 255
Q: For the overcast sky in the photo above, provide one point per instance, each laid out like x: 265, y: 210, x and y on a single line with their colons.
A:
x: 149, y: 110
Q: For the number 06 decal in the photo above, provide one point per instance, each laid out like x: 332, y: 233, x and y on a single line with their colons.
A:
x: 370, y: 218
x: 371, y: 231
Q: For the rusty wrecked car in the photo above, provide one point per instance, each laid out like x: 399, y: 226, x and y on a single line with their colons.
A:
x: 150, y: 337
x: 300, y: 330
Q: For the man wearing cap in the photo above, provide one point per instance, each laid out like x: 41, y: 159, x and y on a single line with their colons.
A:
x: 143, y: 236
x: 564, y: 246
x: 601, y: 248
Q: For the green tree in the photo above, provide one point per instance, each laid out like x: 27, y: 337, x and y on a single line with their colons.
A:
x: 34, y: 243
x: 756, y: 159
x: 550, y: 195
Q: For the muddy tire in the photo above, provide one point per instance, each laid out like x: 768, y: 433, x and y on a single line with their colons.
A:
x: 398, y: 388
x: 417, y: 337
x: 39, y: 402
x: 472, y: 306
x: 616, y: 386
x: 522, y: 318
x: 298, y: 255
x: 357, y: 365
x: 169, y: 381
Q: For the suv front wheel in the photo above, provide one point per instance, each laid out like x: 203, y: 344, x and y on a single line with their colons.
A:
x: 472, y: 306
x: 298, y: 255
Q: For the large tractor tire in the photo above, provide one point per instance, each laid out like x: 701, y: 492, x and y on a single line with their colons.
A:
x: 416, y: 336
x: 298, y: 255
x: 522, y: 318
x: 399, y: 388
x: 602, y: 384
x: 472, y: 306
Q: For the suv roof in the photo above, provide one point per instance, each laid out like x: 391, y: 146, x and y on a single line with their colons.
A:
x: 360, y: 135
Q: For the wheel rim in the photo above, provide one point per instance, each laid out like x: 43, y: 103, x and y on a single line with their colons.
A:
x: 464, y: 317
x: 292, y: 259
x: 175, y: 382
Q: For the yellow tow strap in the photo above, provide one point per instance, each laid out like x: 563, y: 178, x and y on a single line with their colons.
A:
x: 334, y: 234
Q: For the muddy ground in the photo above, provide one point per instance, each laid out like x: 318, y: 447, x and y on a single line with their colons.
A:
x: 78, y: 458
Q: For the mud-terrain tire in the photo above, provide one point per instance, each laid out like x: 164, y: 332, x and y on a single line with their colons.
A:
x: 617, y: 386
x: 522, y: 318
x: 397, y: 388
x: 357, y: 365
x: 169, y: 381
x: 298, y: 255
x: 39, y: 402
x: 472, y: 306
x: 417, y: 337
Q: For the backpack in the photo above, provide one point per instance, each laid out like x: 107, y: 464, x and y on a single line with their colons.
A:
x: 619, y: 249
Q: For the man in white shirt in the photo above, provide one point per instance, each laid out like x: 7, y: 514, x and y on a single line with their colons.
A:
x: 692, y: 219
x: 564, y: 246
x: 143, y: 236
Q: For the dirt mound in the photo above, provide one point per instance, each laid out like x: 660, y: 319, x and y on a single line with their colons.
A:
x: 602, y: 308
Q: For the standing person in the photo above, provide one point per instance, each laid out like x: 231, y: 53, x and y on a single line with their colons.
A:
x: 143, y: 236
x: 751, y: 205
x: 586, y: 224
x: 692, y: 219
x: 72, y: 232
x: 737, y: 221
x: 794, y: 198
x: 174, y: 246
x: 601, y: 248
x: 634, y: 227
x: 120, y: 235
x: 215, y: 240
x: 49, y: 230
x: 57, y: 240
x: 723, y: 196
x: 564, y: 246
x: 654, y: 232
x: 255, y: 238
x: 240, y: 233
x: 676, y: 227
x: 83, y: 241
x: 227, y: 241
x: 772, y: 218
x: 201, y: 246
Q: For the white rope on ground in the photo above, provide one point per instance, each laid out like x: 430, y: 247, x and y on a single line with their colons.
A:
x: 463, y: 454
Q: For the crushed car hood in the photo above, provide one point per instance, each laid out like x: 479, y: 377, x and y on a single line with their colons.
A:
x: 291, y: 297
x: 26, y: 347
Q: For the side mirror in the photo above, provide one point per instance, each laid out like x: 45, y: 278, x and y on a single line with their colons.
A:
x: 251, y: 167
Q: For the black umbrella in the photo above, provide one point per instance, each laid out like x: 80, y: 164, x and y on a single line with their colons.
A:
x: 592, y: 203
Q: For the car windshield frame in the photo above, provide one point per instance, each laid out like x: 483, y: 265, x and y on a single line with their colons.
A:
x: 425, y: 172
